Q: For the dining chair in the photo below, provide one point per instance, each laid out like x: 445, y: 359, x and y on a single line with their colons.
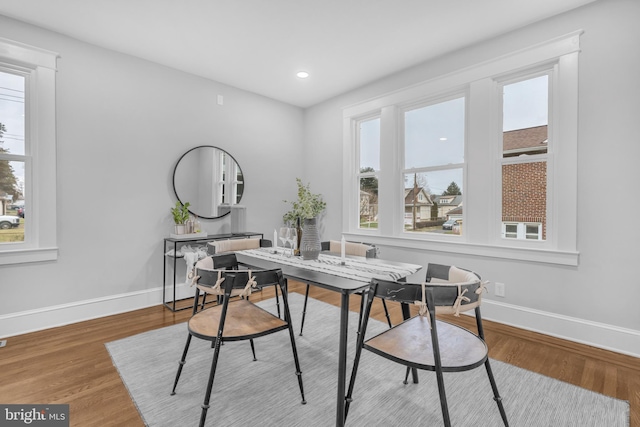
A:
x: 231, y: 245
x: 351, y: 248
x: 236, y: 320
x: 222, y: 261
x: 424, y: 342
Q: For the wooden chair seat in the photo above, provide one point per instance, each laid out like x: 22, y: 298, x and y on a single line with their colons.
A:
x: 410, y: 343
x: 244, y: 321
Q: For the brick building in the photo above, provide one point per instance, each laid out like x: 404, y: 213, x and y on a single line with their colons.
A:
x: 524, y: 185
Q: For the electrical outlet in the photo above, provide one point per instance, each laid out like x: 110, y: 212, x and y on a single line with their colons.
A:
x: 499, y: 289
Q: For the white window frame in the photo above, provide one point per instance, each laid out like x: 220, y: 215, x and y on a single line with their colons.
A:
x: 483, y: 157
x: 38, y: 66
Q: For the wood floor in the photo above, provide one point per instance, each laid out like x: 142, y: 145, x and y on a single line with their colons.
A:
x: 71, y: 365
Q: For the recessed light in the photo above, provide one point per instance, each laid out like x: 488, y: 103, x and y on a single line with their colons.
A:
x: 302, y: 74
x: 443, y: 139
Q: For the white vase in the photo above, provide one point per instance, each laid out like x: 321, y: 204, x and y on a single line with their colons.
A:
x: 179, y: 228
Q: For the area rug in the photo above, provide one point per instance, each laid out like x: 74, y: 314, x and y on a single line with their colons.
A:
x: 265, y: 392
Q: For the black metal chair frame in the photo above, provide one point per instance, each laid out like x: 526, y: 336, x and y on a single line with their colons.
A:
x: 235, y: 282
x: 228, y: 261
x: 434, y: 295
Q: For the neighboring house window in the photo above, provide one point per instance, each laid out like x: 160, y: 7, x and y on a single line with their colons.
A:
x: 28, y: 151
x: 368, y: 143
x: 462, y: 136
x: 523, y: 231
x: 433, y: 157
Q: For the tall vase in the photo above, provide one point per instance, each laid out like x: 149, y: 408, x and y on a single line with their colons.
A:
x: 310, y: 242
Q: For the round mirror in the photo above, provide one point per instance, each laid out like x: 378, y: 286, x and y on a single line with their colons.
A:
x: 209, y: 179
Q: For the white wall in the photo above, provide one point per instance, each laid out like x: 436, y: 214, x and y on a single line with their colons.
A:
x: 595, y: 302
x: 122, y: 124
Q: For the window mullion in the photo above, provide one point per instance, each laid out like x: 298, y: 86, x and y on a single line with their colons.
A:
x: 389, y: 191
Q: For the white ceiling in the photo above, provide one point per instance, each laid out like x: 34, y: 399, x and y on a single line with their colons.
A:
x: 259, y: 45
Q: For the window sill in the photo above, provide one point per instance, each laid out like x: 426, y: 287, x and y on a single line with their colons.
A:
x: 544, y: 256
x: 22, y: 256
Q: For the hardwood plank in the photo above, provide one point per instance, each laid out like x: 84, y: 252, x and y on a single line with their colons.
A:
x: 70, y: 364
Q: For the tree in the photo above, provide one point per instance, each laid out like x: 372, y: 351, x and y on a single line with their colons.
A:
x: 8, y: 181
x: 452, y: 190
x: 369, y: 184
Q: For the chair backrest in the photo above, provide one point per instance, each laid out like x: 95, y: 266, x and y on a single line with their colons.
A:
x: 449, y: 273
x: 449, y: 276
x: 225, y: 261
x: 228, y: 281
x: 452, y: 290
x: 221, y: 246
x: 350, y: 248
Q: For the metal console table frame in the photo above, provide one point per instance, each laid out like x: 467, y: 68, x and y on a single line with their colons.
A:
x: 175, y: 243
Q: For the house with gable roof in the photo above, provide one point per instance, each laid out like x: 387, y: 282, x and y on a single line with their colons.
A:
x: 417, y: 200
x: 447, y: 203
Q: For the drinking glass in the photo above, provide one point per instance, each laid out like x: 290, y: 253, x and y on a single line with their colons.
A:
x: 293, y: 236
x: 284, y: 236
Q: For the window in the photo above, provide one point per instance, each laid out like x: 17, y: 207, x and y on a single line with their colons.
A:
x: 477, y: 149
x: 368, y: 137
x: 525, y: 141
x: 27, y: 152
x: 433, y: 162
x: 12, y: 156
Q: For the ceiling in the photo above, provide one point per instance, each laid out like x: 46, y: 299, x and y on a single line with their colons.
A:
x: 259, y: 45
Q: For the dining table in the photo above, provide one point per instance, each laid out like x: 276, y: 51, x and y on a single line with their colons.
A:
x: 345, y: 275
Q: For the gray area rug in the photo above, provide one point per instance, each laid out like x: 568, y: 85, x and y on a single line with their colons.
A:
x: 265, y: 392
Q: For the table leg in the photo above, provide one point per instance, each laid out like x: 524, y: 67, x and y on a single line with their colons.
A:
x: 342, y: 358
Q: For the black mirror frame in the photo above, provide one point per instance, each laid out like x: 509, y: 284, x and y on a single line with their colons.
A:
x: 174, y: 179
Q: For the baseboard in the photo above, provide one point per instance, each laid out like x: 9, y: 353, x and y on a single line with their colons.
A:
x: 595, y: 334
x: 608, y: 337
x: 59, y: 315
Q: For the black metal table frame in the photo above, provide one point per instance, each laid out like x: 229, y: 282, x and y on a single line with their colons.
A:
x: 345, y: 286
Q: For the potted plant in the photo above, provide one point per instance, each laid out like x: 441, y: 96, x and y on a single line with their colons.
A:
x: 180, y: 214
x: 306, y: 209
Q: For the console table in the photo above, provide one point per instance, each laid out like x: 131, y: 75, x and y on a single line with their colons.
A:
x: 172, y: 252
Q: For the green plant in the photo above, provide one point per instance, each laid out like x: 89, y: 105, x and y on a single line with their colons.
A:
x: 180, y: 212
x: 308, y: 205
